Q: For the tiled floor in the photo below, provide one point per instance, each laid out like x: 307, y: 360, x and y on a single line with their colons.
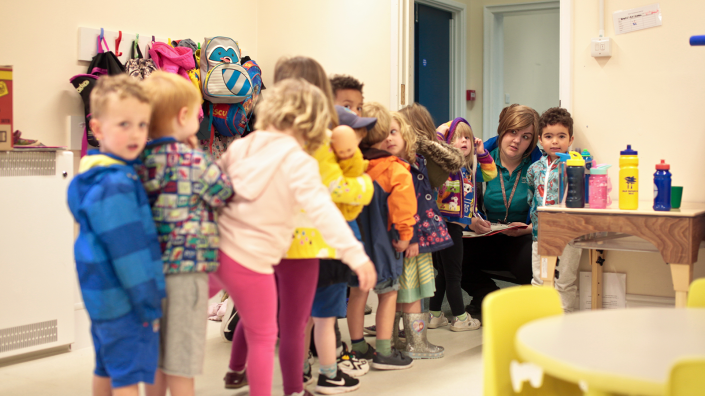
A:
x: 69, y: 374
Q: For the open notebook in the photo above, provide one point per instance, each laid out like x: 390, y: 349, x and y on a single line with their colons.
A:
x: 496, y: 229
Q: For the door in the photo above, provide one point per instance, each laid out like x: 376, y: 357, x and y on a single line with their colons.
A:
x: 432, y: 61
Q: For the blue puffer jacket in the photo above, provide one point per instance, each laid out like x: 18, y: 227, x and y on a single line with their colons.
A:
x: 117, y: 253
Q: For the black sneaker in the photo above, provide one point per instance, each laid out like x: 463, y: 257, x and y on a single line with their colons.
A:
x: 395, y: 361
x: 342, y: 383
x: 369, y: 355
x: 227, y: 326
x: 308, y: 377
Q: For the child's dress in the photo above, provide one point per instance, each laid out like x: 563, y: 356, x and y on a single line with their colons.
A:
x: 430, y: 232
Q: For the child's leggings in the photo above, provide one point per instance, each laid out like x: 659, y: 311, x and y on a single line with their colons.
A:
x: 450, y: 273
x: 255, y: 295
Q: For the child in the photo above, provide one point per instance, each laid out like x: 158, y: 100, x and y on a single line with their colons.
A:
x: 442, y: 158
x: 347, y: 92
x: 387, y: 228
x: 185, y: 188
x: 430, y: 235
x: 275, y: 178
x: 117, y: 252
x: 349, y: 193
x: 456, y: 202
x: 330, y: 298
x: 556, y: 136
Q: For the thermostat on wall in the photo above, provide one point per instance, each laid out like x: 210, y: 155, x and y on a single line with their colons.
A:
x: 601, y: 47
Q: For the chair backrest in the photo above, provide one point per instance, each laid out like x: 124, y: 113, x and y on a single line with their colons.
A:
x: 696, y: 294
x: 504, y: 312
x: 687, y: 378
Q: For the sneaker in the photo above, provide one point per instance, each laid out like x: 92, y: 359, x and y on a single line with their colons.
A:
x: 437, y: 322
x: 474, y: 311
x: 227, y: 326
x: 235, y: 380
x: 352, y: 366
x: 342, y: 383
x: 469, y: 323
x: 395, y: 361
x: 368, y: 309
x: 366, y: 356
x: 308, y: 377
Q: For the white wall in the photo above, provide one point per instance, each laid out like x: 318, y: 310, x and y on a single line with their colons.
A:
x: 531, y: 58
x: 346, y: 37
x: 650, y: 94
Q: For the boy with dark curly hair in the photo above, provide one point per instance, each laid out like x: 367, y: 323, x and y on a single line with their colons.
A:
x: 556, y: 136
x: 347, y: 92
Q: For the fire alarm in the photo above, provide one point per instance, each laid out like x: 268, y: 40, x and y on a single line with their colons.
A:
x: 470, y: 94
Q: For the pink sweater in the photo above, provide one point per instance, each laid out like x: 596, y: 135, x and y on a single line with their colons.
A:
x: 273, y: 179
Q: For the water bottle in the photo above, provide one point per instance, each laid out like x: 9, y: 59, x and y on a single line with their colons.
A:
x: 628, y: 179
x: 576, y: 181
x: 598, y: 187
x: 562, y: 178
x: 588, y: 164
x: 662, y: 187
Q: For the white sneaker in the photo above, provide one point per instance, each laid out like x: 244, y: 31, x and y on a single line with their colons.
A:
x: 464, y: 325
x: 351, y: 365
x: 437, y: 322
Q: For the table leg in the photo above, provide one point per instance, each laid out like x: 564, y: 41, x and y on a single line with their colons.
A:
x: 596, y: 302
x: 548, y: 269
x: 682, y: 275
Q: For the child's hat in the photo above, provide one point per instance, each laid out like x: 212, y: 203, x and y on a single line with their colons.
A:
x: 347, y: 117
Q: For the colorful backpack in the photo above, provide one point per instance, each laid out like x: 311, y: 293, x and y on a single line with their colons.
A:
x: 223, y: 78
x: 231, y: 119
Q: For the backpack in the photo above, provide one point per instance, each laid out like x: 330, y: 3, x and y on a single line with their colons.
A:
x: 103, y: 63
x: 223, y: 78
x: 137, y: 66
x: 232, y: 119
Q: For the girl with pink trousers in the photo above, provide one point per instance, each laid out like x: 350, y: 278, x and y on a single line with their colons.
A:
x: 275, y: 177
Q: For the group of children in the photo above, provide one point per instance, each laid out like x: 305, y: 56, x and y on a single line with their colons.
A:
x: 328, y: 185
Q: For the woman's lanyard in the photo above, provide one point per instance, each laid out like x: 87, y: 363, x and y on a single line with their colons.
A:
x: 545, y: 182
x: 504, y: 194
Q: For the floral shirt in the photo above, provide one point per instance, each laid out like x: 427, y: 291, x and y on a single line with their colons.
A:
x: 184, y: 187
x: 540, y: 187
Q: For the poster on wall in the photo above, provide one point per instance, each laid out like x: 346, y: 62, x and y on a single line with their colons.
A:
x: 614, y: 290
x: 637, y: 19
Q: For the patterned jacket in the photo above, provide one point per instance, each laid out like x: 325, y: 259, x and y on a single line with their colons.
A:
x: 540, y: 188
x: 184, y: 187
x: 430, y: 231
x: 117, y: 253
x: 456, y: 198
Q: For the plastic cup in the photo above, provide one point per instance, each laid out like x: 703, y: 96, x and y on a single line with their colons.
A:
x: 676, y: 195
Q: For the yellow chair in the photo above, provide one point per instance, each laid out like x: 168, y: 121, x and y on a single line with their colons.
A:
x: 696, y: 294
x: 504, y: 312
x: 687, y: 377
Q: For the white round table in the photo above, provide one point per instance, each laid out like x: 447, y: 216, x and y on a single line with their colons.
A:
x: 620, y: 350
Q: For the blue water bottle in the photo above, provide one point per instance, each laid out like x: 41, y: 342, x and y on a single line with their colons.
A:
x: 576, y: 181
x: 588, y: 164
x: 662, y: 187
x: 563, y: 178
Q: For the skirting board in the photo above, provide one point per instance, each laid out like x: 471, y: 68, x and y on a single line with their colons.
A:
x: 642, y: 301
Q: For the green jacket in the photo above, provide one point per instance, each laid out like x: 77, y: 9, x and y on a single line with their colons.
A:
x: 494, y: 202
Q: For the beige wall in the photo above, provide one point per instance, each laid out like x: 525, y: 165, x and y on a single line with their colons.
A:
x: 348, y: 37
x: 650, y: 94
x: 40, y: 39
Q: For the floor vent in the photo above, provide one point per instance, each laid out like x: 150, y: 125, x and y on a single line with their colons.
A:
x: 31, y: 163
x: 28, y: 335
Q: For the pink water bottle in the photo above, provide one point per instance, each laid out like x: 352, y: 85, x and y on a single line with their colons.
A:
x: 598, y: 187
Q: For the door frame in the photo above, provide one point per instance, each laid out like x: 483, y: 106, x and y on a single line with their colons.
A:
x: 402, y: 52
x: 493, y: 58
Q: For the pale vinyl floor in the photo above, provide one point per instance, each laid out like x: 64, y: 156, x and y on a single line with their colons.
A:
x: 69, y: 374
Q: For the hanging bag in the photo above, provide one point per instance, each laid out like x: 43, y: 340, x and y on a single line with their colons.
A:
x: 223, y: 79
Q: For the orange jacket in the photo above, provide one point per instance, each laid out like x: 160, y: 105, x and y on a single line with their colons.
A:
x: 393, y: 176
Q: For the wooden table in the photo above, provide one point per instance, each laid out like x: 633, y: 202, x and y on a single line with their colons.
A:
x: 676, y: 234
x: 628, y: 351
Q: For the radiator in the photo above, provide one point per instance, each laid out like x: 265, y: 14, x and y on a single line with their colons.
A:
x: 37, y: 275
